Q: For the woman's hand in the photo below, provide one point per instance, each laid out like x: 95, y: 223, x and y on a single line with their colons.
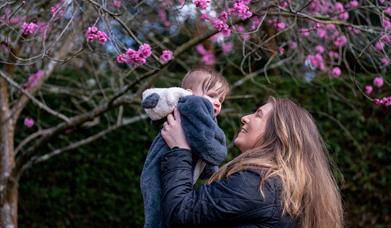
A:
x: 172, y: 131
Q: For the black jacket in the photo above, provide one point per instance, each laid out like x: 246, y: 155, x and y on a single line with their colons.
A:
x: 231, y: 202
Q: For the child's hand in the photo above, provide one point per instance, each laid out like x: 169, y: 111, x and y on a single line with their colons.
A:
x: 172, y: 131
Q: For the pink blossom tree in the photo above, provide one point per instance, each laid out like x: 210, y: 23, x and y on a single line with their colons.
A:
x: 120, y: 48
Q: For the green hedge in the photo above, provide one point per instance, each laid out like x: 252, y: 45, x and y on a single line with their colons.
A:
x: 98, y: 185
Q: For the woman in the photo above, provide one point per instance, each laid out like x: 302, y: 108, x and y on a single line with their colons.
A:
x: 282, y: 177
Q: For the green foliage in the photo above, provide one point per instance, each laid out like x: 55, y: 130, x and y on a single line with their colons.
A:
x: 98, y: 185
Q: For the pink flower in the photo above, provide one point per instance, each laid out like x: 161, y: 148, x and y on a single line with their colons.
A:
x: 116, y: 3
x: 368, y: 89
x: 56, y: 10
x: 340, y: 41
x: 339, y: 7
x: 304, y: 32
x: 163, y: 17
x: 388, y: 11
x: 202, y: 4
x: 241, y: 9
x: 378, y: 81
x: 145, y: 50
x: 166, y: 56
x: 122, y: 58
x: 226, y: 31
x: 379, y: 45
x: 224, y: 16
x: 255, y: 21
x: 218, y: 24
x: 335, y: 72
x: 333, y: 55
x: 354, y: 30
x: 385, y: 61
x: 284, y: 4
x: 209, y: 59
x: 204, y: 16
x: 227, y: 47
x: 331, y: 27
x: 28, y: 122
x: 321, y: 33
x: 386, y: 23
x: 353, y: 4
x: 33, y: 80
x: 280, y: 26
x: 386, y: 101
x: 281, y: 50
x: 29, y: 28
x: 292, y: 45
x: 136, y: 57
x: 102, y: 37
x: 316, y: 61
x: 385, y: 37
x: 94, y: 34
x: 319, y: 49
x: 201, y: 49
x: 344, y: 16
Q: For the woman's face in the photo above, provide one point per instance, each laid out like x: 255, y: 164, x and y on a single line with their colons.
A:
x: 253, y: 127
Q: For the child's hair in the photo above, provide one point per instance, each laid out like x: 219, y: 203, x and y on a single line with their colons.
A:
x: 207, y: 77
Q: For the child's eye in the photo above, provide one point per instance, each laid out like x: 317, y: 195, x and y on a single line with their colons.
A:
x: 213, y: 94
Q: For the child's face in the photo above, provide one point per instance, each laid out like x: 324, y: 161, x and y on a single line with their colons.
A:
x: 213, y: 96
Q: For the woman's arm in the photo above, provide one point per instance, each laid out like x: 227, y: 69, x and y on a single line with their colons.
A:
x: 234, y: 199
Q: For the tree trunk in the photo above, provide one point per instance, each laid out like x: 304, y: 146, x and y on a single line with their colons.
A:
x: 8, y: 186
x: 9, y: 207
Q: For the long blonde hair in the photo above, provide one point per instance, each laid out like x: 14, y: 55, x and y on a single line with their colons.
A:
x: 293, y: 150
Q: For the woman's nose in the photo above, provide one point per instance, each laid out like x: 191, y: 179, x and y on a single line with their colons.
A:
x: 244, y: 119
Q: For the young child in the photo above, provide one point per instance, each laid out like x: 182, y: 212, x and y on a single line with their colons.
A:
x: 206, y: 139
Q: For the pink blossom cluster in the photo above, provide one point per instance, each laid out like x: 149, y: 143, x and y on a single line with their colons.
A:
x: 163, y: 17
x: 255, y: 21
x: 385, y: 61
x: 341, y: 12
x: 116, y: 3
x: 208, y: 57
x: 319, y: 7
x: 9, y: 18
x: 368, y: 89
x: 327, y: 32
x: 284, y: 4
x: 29, y: 28
x: 277, y: 24
x: 386, y: 101
x: 335, y: 72
x: 227, y: 47
x: 242, y: 31
x: 33, y: 80
x: 378, y: 81
x: 241, y: 9
x: 202, y: 4
x: 28, y: 122
x: 316, y: 61
x: 94, y: 34
x: 138, y: 57
x: 166, y: 56
x: 221, y: 26
x: 56, y: 10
